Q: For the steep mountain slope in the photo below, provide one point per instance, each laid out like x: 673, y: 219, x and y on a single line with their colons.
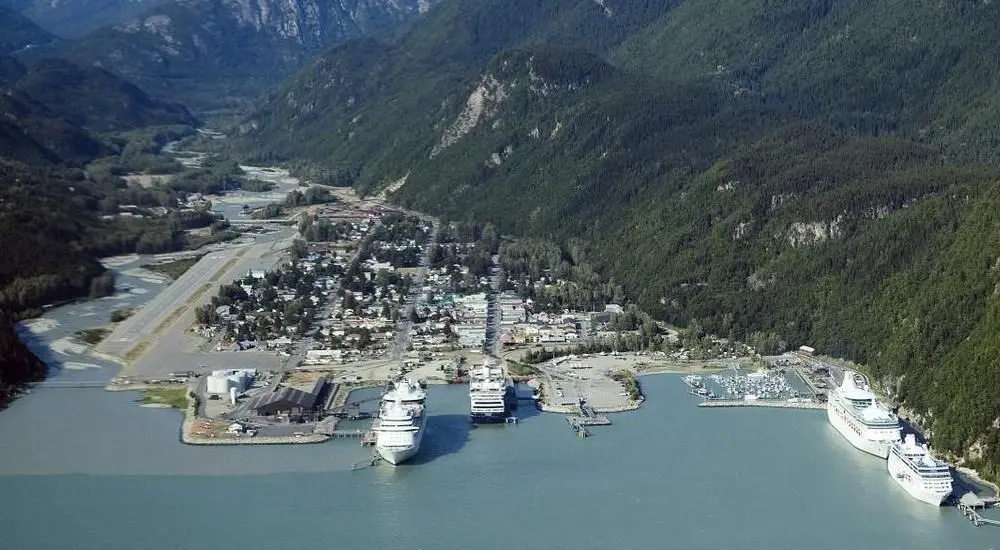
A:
x: 350, y: 103
x: 884, y: 66
x: 193, y: 49
x: 782, y: 172
x: 10, y: 71
x: 31, y: 133
x: 95, y: 99
x: 17, y: 32
x: 76, y: 18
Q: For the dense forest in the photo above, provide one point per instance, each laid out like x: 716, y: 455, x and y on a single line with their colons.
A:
x: 20, y: 365
x: 815, y: 172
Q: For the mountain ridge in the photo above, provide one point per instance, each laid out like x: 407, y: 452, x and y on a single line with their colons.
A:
x: 732, y: 168
x: 196, y: 50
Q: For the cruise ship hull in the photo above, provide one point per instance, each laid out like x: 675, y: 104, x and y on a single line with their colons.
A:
x: 489, y: 418
x: 877, y: 448
x: 396, y: 452
x: 913, y: 485
x: 495, y: 416
x: 394, y: 455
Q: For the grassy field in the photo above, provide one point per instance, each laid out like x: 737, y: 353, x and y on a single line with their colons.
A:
x: 173, y: 269
x: 92, y: 335
x: 175, y: 397
x: 521, y: 369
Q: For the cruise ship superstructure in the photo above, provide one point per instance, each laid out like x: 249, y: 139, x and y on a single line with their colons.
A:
x: 860, y: 418
x: 926, y: 478
x: 401, y: 421
x: 491, y: 393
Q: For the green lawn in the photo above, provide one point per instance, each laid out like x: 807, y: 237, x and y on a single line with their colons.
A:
x: 175, y: 397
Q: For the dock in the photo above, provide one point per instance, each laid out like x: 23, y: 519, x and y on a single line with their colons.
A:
x: 779, y: 404
x: 587, y: 417
x: 367, y: 438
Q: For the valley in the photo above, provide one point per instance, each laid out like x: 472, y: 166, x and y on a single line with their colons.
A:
x: 818, y: 172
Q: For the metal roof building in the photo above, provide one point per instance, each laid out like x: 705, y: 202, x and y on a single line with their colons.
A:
x: 288, y: 401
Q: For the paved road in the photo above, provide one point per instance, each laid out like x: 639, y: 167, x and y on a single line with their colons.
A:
x: 416, y: 297
x: 494, y: 315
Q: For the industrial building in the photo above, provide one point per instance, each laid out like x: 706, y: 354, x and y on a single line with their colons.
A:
x: 288, y: 403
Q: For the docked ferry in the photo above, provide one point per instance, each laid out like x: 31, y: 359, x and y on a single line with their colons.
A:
x: 491, y: 394
x: 926, y: 478
x: 855, y: 412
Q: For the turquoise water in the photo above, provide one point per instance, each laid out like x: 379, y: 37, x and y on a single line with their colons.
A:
x: 668, y: 476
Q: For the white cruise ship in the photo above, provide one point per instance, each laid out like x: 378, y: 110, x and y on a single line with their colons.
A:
x: 860, y: 418
x: 926, y: 478
x: 491, y: 393
x: 401, y: 422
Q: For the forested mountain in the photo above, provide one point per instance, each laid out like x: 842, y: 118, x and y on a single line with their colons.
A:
x: 17, y: 32
x: 923, y: 69
x: 76, y: 18
x: 203, y: 52
x: 31, y: 133
x: 96, y: 99
x: 810, y: 172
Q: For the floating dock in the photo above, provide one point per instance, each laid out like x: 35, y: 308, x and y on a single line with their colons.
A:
x: 779, y: 404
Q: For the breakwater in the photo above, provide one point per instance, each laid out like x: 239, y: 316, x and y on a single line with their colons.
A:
x: 779, y: 404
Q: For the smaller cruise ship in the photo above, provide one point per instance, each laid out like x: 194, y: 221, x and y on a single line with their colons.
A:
x: 491, y: 394
x: 926, y: 478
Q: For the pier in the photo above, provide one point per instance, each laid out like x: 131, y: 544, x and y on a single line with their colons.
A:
x: 586, y: 417
x: 779, y: 404
x: 974, y: 516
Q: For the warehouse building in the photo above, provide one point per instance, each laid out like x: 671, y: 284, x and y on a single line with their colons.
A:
x: 288, y: 403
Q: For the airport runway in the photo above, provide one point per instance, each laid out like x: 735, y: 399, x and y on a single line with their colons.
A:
x: 152, y: 342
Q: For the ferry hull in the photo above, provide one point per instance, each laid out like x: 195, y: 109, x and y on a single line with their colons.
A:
x: 877, y: 448
x: 902, y: 475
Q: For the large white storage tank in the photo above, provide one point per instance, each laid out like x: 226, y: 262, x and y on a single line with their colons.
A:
x: 219, y: 382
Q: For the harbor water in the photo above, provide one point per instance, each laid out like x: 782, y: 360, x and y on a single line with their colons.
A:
x: 85, y: 469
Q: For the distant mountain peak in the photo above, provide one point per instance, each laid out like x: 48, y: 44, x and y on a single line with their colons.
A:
x: 235, y: 45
